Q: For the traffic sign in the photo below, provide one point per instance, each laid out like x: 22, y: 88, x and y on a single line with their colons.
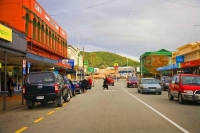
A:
x: 86, y: 63
x: 90, y: 69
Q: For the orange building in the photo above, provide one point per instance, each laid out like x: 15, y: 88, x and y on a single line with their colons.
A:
x: 44, y: 36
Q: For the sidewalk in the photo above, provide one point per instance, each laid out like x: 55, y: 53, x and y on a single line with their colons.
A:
x: 12, y: 103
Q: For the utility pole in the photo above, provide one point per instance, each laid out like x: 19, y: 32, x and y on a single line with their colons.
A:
x: 83, y: 63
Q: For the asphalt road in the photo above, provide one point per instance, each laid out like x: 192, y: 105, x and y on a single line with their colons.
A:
x: 117, y: 110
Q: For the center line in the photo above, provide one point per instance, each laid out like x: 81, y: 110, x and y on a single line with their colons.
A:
x: 39, y: 119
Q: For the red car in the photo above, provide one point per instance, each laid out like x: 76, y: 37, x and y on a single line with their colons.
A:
x: 185, y: 87
x: 132, y: 82
x: 111, y: 81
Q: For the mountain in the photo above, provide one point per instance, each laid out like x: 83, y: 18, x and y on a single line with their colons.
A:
x: 102, y: 59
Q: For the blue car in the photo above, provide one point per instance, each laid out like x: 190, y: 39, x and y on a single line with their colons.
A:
x: 70, y: 85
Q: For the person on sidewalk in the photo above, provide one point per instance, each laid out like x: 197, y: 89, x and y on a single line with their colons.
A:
x: 10, y: 86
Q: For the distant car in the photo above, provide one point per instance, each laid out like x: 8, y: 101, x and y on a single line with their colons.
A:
x: 77, y: 86
x: 185, y: 87
x: 132, y: 82
x: 111, y: 81
x: 149, y: 85
x: 165, y: 81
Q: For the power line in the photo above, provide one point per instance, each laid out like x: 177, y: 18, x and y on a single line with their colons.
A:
x: 182, y: 3
x: 84, y: 8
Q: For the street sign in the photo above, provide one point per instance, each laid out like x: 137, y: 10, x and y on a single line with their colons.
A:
x: 29, y: 64
x: 24, y: 63
x: 90, y: 69
x: 86, y: 63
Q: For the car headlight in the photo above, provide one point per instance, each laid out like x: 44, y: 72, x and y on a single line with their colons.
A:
x: 188, y: 91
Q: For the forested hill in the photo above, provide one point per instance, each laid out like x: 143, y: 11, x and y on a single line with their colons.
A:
x: 102, y: 59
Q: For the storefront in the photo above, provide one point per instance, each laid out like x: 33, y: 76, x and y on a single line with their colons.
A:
x: 12, y: 51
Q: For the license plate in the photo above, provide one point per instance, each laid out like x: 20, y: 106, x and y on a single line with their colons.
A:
x: 40, y: 97
x: 153, y: 89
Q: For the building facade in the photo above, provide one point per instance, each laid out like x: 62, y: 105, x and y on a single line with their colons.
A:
x: 44, y: 36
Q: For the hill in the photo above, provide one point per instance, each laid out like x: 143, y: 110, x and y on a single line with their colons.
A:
x: 102, y: 59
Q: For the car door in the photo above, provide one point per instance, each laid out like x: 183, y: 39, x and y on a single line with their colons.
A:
x: 176, y: 86
x: 172, y: 85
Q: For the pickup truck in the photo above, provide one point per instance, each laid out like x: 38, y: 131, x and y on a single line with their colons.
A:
x: 44, y: 87
x: 185, y: 87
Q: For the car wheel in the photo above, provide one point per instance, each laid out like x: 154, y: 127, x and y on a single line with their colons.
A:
x: 32, y: 106
x: 113, y: 84
x: 60, y: 100
x: 180, y: 98
x: 74, y: 93
x: 160, y: 93
x: 67, y: 98
x: 127, y: 86
x: 170, y: 96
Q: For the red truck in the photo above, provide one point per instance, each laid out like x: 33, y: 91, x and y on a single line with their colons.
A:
x: 185, y: 87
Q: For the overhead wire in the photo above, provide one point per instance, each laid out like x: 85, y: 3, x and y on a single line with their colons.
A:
x: 85, y: 8
x: 182, y: 3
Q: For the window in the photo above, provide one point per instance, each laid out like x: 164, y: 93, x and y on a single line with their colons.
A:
x: 27, y: 24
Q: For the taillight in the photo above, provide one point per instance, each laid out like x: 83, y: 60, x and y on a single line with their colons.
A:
x: 56, y: 88
x: 77, y: 86
x: 23, y: 90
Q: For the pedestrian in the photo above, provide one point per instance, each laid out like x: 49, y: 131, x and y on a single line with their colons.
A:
x: 89, y: 83
x: 105, y: 83
x: 84, y: 85
x: 10, y: 86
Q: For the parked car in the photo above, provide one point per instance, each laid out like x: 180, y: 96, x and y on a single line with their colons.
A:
x: 71, y: 86
x: 44, y: 87
x: 111, y: 81
x: 149, y: 85
x: 185, y: 87
x: 165, y: 81
x: 77, y: 85
x: 132, y: 81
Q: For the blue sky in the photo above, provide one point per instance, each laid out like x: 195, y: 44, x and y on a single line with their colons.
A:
x: 127, y: 27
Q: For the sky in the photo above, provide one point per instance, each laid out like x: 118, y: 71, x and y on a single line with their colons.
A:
x: 127, y: 27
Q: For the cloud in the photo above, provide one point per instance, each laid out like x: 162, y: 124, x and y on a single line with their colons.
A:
x: 127, y: 27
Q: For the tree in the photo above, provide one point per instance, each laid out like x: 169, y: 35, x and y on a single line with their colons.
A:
x: 153, y: 62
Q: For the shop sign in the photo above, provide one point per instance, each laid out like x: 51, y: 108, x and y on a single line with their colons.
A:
x: 190, y: 63
x: 71, y: 62
x: 179, y: 59
x: 5, y: 33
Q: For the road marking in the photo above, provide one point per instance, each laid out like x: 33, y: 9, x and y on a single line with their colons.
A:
x: 20, y: 130
x: 64, y: 104
x: 39, y: 119
x: 109, y: 90
x: 51, y: 112
x: 57, y: 108
x: 166, y: 118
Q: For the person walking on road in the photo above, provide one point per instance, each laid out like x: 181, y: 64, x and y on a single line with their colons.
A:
x: 105, y: 83
x: 89, y: 83
x: 84, y: 85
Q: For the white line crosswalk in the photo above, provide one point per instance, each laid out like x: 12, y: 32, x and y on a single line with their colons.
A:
x: 109, y: 90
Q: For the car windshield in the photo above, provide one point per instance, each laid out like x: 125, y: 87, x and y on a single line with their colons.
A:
x: 190, y: 80
x: 150, y: 81
x: 40, y: 77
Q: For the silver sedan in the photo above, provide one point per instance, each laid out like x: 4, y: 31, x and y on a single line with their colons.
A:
x: 149, y: 85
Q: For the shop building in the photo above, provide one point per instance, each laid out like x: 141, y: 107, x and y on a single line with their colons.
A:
x: 186, y: 59
x: 146, y: 61
x: 46, y: 40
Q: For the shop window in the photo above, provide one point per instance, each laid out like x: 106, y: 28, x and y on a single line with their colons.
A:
x: 47, y: 38
x: 27, y: 24
x: 39, y: 32
x: 56, y: 49
x: 34, y: 29
x: 42, y: 35
x: 53, y: 42
x: 50, y: 40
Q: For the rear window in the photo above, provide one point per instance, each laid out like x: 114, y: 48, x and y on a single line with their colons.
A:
x: 150, y: 81
x: 133, y: 78
x: 40, y: 77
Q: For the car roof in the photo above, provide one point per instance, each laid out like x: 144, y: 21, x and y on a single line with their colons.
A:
x: 188, y: 74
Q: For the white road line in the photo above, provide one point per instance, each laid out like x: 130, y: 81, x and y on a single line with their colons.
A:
x: 166, y: 118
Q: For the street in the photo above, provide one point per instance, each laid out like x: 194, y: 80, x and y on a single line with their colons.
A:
x: 117, y: 110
